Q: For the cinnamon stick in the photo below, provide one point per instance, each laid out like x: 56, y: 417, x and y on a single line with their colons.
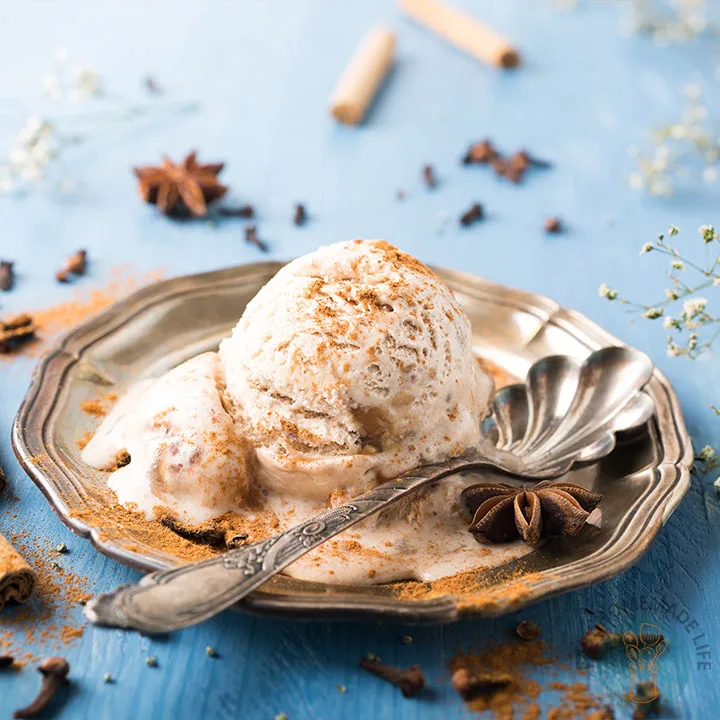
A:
x: 17, y: 579
x: 363, y: 76
x: 463, y: 31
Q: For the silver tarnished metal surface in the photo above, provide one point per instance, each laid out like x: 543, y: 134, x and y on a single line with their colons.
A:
x: 642, y: 480
x: 565, y: 411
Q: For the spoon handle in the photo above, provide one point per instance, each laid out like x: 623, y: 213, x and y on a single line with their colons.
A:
x: 168, y: 600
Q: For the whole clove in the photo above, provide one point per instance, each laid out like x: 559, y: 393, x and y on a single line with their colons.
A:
x: 3, y: 481
x: 54, y: 671
x: 7, y: 276
x: 300, y: 216
x: 527, y: 630
x: 428, y: 173
x: 597, y: 641
x: 480, y: 153
x: 472, y: 215
x: 6, y: 661
x: 122, y: 459
x: 410, y: 681
x: 553, y: 225
x: 76, y: 264
x: 469, y: 686
x: 152, y: 85
x: 251, y: 237
x: 244, y: 211
x: 16, y: 331
x: 236, y: 540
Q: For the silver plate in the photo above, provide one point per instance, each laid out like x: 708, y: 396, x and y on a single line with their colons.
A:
x: 642, y: 481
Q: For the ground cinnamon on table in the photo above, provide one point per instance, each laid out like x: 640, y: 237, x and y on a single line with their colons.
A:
x: 51, y: 321
x: 525, y: 664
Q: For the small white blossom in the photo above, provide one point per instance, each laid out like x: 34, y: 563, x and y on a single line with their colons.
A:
x: 707, y: 453
x: 677, y: 265
x: 668, y: 323
x: 672, y: 349
x: 52, y: 85
x: 708, y: 233
x: 636, y: 181
x: 716, y: 281
x: 652, y: 314
x: 717, y: 485
x: 673, y: 230
x: 694, y: 306
x: 607, y: 292
x: 671, y: 294
x: 87, y: 83
x: 646, y: 248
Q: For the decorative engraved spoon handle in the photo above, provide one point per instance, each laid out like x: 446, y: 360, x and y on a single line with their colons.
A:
x: 565, y: 412
x: 169, y: 600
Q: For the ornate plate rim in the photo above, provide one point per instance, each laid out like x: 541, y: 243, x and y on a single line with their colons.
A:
x: 30, y: 427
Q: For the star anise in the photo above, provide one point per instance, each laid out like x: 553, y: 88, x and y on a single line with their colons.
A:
x: 502, y: 512
x: 181, y: 189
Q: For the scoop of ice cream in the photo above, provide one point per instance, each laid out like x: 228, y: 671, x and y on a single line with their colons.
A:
x: 186, y: 454
x: 353, y: 363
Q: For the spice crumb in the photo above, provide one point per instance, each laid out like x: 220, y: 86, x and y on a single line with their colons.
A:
x: 341, y: 688
x: 210, y: 651
x: 108, y: 678
x: 407, y: 639
x: 62, y: 548
x: 151, y: 661
x: 429, y: 177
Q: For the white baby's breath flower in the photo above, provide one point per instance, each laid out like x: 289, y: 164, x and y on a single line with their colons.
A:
x: 677, y: 265
x: 607, y: 292
x: 646, y: 248
x: 708, y: 233
x: 716, y: 281
x: 694, y: 306
x: 673, y: 230
x: 636, y: 181
x: 707, y: 453
x: 52, y: 84
x: 672, y: 349
x: 717, y: 485
x: 668, y: 323
x: 87, y: 83
x: 652, y: 313
x: 671, y: 294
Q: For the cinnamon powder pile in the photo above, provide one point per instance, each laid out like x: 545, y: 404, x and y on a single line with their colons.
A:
x: 51, y: 618
x: 52, y: 321
x: 519, y: 699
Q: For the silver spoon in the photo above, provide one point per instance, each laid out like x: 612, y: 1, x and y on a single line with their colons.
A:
x: 565, y: 412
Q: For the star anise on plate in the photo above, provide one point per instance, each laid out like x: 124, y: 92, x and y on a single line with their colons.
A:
x: 181, y: 188
x: 502, y: 512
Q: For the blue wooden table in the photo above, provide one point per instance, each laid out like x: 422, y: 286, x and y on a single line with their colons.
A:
x: 261, y: 73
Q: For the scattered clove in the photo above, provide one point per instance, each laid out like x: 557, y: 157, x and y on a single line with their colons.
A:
x: 469, y: 686
x: 480, y: 153
x: 54, y: 671
x: 16, y: 331
x: 553, y: 225
x: 410, y: 681
x: 300, y: 216
x: 244, y: 211
x: 597, y: 641
x: 6, y: 661
x: 76, y: 264
x: 3, y: 481
x: 527, y: 630
x: 7, y: 276
x: 428, y: 173
x: 152, y: 85
x: 251, y: 237
x: 472, y: 215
